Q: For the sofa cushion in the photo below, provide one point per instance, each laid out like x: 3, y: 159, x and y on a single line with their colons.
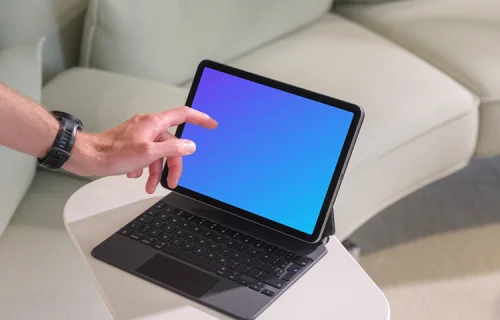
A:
x: 413, y: 111
x: 42, y: 276
x: 165, y: 40
x: 460, y: 37
x: 20, y: 69
x: 103, y: 100
x: 61, y: 21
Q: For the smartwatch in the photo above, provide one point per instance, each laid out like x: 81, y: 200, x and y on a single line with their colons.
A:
x: 60, y: 151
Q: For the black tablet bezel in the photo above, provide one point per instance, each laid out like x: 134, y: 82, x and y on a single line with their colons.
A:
x: 338, y: 173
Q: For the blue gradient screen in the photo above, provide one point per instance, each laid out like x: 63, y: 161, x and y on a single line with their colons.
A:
x: 273, y: 154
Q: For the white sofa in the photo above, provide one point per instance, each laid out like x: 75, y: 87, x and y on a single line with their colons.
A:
x: 421, y: 124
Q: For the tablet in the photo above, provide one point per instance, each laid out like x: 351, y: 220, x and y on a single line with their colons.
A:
x: 277, y: 157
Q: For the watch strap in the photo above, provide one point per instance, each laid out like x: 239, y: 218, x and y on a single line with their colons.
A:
x: 60, y: 151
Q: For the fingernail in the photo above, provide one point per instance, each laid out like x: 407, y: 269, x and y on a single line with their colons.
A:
x: 189, y: 146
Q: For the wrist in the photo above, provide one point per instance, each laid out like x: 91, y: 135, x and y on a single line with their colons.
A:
x: 86, y: 157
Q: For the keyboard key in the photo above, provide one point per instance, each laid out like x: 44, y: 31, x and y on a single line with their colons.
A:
x: 146, y: 219
x: 275, y: 282
x: 256, y: 274
x: 174, y: 221
x: 266, y: 257
x: 168, y: 228
x: 292, y: 270
x: 221, y: 260
x: 257, y: 264
x: 154, y: 233
x: 210, y: 255
x: 160, y: 205
x: 279, y: 252
x: 180, y: 233
x: 199, y: 251
x: 213, y: 246
x: 158, y: 224
x: 257, y: 286
x: 188, y: 246
x: 263, y: 266
x: 168, y: 209
x: 136, y: 225
x: 236, y: 255
x: 244, y: 269
x: 163, y: 216
x: 176, y: 242
x: 201, y: 242
x: 136, y: 235
x: 207, y: 223
x: 152, y: 212
x: 196, y: 229
x: 233, y: 275
x: 191, y: 258
x: 234, y: 265
x: 148, y: 240
x: 240, y: 247
x: 270, y: 249
x: 259, y: 244
x: 227, y: 232
x: 126, y: 231
x: 249, y: 260
x: 225, y: 251
x: 288, y: 256
x: 281, y: 263
x: 145, y: 229
x: 228, y: 242
x: 248, y: 240
x: 179, y: 213
x: 166, y: 237
x: 212, y: 225
x: 270, y: 269
x: 278, y: 272
x: 158, y: 244
x: 223, y: 271
x: 184, y: 225
x: 236, y: 236
x: 302, y: 261
x: 253, y: 252
x: 268, y: 292
x: 218, y: 238
x: 246, y: 281
x: 190, y: 217
x: 190, y: 237
x: 201, y: 222
x: 207, y: 234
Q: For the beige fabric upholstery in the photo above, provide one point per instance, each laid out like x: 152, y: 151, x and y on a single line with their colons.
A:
x: 413, y: 111
x: 103, y: 100
x: 20, y: 69
x: 61, y: 21
x: 41, y: 274
x: 165, y: 40
x: 460, y: 37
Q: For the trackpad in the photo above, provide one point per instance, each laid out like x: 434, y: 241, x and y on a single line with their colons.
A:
x: 178, y: 275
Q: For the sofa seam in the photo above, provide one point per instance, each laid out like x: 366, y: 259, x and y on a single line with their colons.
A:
x: 426, y: 132
x: 88, y: 49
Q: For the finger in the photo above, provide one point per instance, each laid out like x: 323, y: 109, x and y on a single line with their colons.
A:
x: 155, y: 169
x: 135, y: 174
x: 172, y: 148
x: 185, y: 114
x: 174, y: 171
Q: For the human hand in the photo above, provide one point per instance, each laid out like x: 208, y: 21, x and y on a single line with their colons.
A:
x: 139, y: 142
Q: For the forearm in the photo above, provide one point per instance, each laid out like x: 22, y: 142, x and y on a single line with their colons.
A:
x: 25, y: 126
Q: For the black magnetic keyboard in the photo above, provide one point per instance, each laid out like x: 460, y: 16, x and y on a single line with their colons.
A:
x: 216, y: 248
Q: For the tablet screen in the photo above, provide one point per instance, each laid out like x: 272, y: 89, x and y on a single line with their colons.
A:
x: 273, y: 154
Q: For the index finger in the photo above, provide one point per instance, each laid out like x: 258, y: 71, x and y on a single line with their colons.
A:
x: 185, y: 114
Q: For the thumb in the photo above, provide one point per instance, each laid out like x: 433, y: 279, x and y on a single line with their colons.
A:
x: 174, y: 148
